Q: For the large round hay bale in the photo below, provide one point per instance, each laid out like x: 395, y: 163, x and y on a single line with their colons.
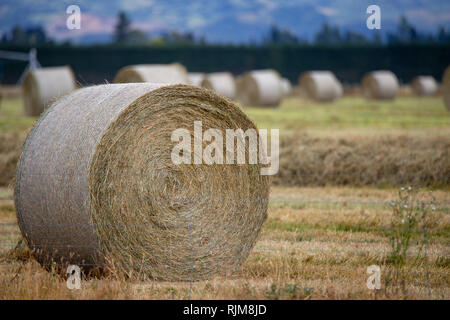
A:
x: 196, y: 78
x: 260, y: 88
x: 96, y: 184
x: 424, y: 86
x: 381, y: 84
x: 220, y: 82
x: 43, y: 86
x: 286, y: 87
x: 321, y: 86
x: 446, y: 87
x: 173, y: 73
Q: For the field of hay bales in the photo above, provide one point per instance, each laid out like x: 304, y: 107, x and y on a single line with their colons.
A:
x: 332, y: 213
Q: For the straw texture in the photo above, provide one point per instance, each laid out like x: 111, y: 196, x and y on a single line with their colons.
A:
x: 424, y: 86
x: 220, y: 82
x: 380, y: 85
x: 173, y: 73
x: 321, y: 86
x: 43, y: 86
x: 96, y: 184
x: 260, y: 88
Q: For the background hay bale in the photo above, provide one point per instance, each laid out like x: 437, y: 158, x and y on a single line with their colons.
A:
x: 381, y: 84
x: 220, y: 82
x: 43, y: 86
x: 446, y: 76
x: 96, y: 182
x: 173, y: 73
x: 196, y: 78
x: 286, y: 86
x: 321, y: 86
x: 446, y: 87
x: 260, y: 88
x: 424, y: 86
x: 446, y: 94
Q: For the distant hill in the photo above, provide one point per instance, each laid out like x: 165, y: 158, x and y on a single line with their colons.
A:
x: 233, y: 21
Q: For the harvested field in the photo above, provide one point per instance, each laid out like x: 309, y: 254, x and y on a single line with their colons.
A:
x: 312, y: 160
x: 317, y: 241
x: 388, y: 160
x: 316, y: 244
x: 337, y: 144
x: 10, y: 149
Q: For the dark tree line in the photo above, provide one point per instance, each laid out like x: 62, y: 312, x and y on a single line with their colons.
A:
x: 29, y: 36
x: 328, y: 34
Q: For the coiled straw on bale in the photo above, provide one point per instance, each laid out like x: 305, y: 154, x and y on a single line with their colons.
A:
x: 424, y: 86
x: 446, y: 87
x: 43, y: 86
x: 380, y: 85
x: 260, y: 88
x: 95, y: 183
x: 173, y: 73
x: 220, y: 82
x: 196, y: 78
x: 286, y: 87
x: 321, y: 86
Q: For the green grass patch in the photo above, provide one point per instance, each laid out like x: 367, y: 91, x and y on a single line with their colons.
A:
x: 12, y: 118
x: 354, y: 112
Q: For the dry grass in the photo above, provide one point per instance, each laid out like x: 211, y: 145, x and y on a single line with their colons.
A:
x: 314, y: 160
x: 341, y: 140
x: 316, y: 244
x: 10, y: 149
x: 388, y: 160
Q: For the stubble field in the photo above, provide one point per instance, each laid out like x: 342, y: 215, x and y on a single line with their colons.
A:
x: 322, y: 232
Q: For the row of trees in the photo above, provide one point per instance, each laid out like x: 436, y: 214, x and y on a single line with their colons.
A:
x: 30, y: 36
x: 124, y: 34
x: 406, y: 33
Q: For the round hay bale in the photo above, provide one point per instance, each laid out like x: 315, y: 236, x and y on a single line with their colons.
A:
x: 173, y: 73
x: 447, y: 98
x: 424, y: 86
x: 196, y: 78
x: 286, y: 87
x: 321, y: 86
x: 260, y: 88
x: 446, y: 87
x: 43, y: 86
x: 96, y: 184
x: 380, y: 85
x: 220, y: 82
x: 446, y: 76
